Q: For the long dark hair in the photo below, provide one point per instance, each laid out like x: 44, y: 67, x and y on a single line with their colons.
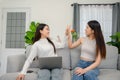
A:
x: 41, y: 26
x: 100, y: 43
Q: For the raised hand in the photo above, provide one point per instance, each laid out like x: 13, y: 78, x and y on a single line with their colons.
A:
x: 68, y: 31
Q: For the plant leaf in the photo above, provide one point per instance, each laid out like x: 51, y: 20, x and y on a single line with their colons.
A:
x: 37, y: 24
x: 33, y: 27
x: 28, y: 42
x: 115, y: 40
x: 30, y: 35
x: 33, y: 23
x: 118, y: 34
x: 113, y: 37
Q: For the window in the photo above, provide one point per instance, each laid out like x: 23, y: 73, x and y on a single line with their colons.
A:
x: 101, y: 13
x: 15, y: 23
x: 15, y: 29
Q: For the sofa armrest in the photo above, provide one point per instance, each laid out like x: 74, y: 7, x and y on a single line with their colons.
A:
x: 15, y: 62
x: 119, y: 62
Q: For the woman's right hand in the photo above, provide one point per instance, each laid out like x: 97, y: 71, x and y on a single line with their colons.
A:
x: 68, y: 31
x: 20, y: 77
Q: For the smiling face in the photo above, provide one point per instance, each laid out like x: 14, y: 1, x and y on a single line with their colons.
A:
x: 89, y: 31
x: 45, y: 32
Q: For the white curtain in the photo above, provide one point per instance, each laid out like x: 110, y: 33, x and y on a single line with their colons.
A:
x: 101, y: 13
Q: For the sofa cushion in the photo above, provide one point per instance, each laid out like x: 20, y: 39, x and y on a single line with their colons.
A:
x: 34, y: 64
x: 28, y: 48
x: 13, y: 76
x: 65, y: 53
x: 34, y: 70
x: 15, y: 62
x: 119, y: 62
x: 111, y: 58
x: 75, y: 56
x: 109, y: 74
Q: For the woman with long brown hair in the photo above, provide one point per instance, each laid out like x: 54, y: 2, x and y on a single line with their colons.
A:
x: 43, y: 47
x: 93, y: 50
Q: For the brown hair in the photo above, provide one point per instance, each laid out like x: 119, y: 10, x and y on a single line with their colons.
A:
x: 100, y: 43
x: 38, y: 35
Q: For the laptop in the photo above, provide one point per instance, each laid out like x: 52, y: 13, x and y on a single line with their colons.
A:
x: 50, y: 62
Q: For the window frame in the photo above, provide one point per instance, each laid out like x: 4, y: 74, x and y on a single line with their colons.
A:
x: 4, y: 25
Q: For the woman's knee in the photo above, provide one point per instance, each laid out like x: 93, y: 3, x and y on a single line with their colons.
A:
x: 57, y: 72
x: 94, y: 72
x: 44, y: 73
x: 77, y: 77
x: 90, y: 75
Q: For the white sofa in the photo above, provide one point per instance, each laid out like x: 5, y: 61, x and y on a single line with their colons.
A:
x: 108, y: 68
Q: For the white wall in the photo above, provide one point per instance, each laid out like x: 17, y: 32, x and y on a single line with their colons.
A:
x: 56, y: 13
x: 0, y: 23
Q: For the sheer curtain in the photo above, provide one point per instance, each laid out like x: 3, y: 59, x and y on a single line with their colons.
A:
x: 101, y: 13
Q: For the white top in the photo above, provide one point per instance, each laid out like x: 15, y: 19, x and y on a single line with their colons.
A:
x: 88, y: 49
x: 41, y: 48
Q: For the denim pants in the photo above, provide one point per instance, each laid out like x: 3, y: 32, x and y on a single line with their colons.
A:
x: 90, y: 75
x: 54, y: 74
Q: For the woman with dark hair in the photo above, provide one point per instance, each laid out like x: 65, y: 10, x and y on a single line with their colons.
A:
x: 42, y: 47
x: 92, y: 51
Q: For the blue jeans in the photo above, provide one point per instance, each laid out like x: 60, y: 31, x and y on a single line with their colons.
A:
x: 54, y: 74
x: 90, y: 75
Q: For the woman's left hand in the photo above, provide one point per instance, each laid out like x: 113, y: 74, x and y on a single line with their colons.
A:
x: 79, y: 71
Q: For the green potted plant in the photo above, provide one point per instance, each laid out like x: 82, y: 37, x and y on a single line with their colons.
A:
x: 74, y: 35
x: 29, y: 36
x: 115, y: 40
